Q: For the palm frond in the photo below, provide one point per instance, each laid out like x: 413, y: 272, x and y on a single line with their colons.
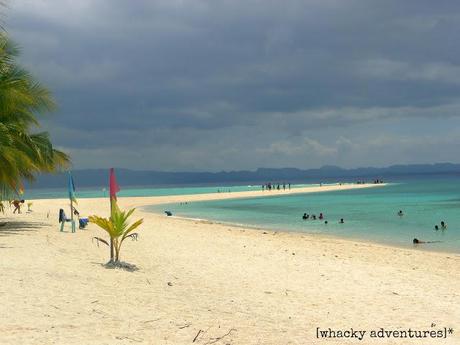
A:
x: 98, y: 239
x: 117, y: 227
x: 23, y: 154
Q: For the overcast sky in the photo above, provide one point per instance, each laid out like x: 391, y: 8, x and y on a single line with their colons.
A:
x: 240, y: 84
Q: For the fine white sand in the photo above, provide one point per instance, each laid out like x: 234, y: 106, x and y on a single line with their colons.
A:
x: 228, y: 285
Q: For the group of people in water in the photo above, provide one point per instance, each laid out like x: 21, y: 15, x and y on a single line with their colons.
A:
x: 442, y: 226
x: 437, y: 227
x: 376, y: 181
x: 223, y: 190
x: 306, y: 216
x: 276, y: 186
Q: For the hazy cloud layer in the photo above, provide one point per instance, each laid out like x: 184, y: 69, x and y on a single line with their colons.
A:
x: 211, y: 85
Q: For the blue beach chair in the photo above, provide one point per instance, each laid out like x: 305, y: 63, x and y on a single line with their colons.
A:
x: 63, y: 219
x: 82, y: 223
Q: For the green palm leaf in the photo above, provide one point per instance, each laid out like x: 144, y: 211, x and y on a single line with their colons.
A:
x: 23, y: 152
x: 117, y: 227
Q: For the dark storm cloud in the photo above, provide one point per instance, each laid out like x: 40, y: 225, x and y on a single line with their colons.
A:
x: 241, y: 84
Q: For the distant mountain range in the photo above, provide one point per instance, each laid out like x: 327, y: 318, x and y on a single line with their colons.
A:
x: 125, y: 177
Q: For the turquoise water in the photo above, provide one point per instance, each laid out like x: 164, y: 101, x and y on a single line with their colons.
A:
x: 369, y: 214
x: 55, y: 193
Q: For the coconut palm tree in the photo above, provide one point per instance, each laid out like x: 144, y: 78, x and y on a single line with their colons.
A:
x: 118, y: 229
x: 24, y: 152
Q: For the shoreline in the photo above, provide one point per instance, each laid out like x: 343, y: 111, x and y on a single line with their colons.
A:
x: 224, y: 190
x: 280, y: 193
x: 197, y: 275
x: 314, y: 236
x: 261, y: 194
x: 142, y: 202
x: 173, y: 198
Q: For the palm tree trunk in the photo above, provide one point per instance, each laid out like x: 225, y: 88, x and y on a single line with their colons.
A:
x: 117, y: 249
x: 112, y: 255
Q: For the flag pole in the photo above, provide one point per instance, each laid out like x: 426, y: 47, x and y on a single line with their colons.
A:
x: 111, y: 239
x: 112, y: 254
x: 71, y: 187
x: 112, y: 195
x: 111, y: 208
x: 72, y: 222
x: 71, y: 210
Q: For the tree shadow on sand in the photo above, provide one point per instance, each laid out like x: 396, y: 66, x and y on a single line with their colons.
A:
x: 13, y: 227
x: 121, y: 265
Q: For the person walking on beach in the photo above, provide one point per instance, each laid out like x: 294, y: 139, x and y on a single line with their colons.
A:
x: 17, y: 205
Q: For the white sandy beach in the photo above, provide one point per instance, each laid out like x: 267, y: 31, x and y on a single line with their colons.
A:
x: 204, y: 283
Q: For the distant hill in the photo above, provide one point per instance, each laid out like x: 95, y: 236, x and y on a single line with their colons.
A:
x: 99, y: 177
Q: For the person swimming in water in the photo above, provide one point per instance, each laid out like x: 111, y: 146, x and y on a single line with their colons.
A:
x: 400, y: 213
x: 443, y: 225
x: 417, y: 241
x: 313, y: 217
x: 321, y: 216
x: 436, y: 227
x: 305, y: 216
x: 341, y: 221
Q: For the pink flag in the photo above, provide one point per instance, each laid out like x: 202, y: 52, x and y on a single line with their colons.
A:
x: 113, y: 185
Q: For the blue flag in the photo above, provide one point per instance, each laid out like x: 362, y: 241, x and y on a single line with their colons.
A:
x: 71, y: 187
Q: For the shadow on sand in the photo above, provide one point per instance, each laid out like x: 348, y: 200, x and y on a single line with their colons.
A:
x: 13, y: 227
x: 121, y: 265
